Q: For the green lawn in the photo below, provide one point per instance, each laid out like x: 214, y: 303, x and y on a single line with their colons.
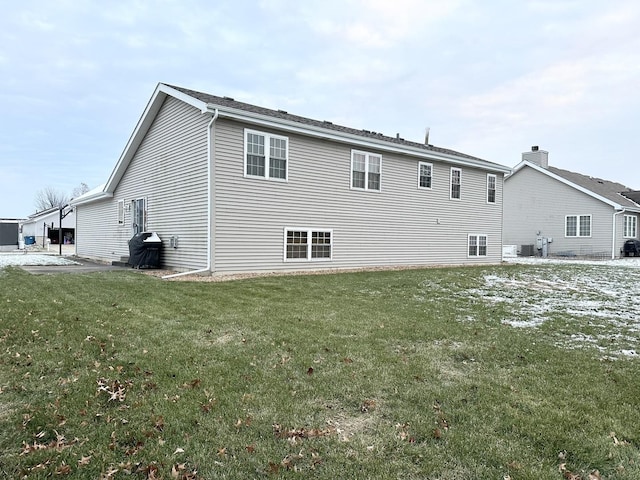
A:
x: 416, y: 374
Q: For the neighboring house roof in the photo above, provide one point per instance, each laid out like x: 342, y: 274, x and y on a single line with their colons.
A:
x: 633, y: 195
x: 603, y: 190
x: 43, y: 213
x: 229, y: 108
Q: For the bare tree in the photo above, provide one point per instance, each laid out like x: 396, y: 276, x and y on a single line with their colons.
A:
x: 80, y: 190
x: 48, y: 198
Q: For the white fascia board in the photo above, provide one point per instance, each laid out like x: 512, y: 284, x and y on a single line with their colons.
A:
x: 90, y: 198
x: 351, y: 139
x: 586, y: 191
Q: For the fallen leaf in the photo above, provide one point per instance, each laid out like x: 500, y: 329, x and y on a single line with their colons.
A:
x: 84, y: 460
x: 310, y: 371
x: 63, y: 469
x: 178, y: 450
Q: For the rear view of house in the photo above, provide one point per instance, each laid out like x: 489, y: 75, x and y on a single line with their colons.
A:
x: 231, y: 187
x: 564, y: 213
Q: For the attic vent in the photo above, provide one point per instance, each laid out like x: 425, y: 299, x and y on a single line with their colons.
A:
x: 328, y: 122
x: 283, y: 111
x: 229, y: 98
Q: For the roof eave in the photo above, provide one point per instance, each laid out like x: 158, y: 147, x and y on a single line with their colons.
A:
x: 351, y: 139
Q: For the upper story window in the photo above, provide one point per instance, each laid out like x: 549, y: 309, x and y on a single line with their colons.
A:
x: 425, y: 175
x: 491, y: 188
x: 266, y: 155
x: 365, y: 170
x: 456, y: 183
x: 578, y: 226
x: 630, y: 226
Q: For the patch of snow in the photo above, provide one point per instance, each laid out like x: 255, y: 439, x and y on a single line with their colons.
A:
x: 597, y: 302
x: 10, y: 259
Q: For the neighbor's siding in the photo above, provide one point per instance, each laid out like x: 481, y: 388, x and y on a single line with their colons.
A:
x: 535, y: 203
x: 169, y: 169
x: 400, y: 225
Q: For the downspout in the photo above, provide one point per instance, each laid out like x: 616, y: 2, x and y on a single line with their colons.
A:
x: 214, y: 117
x: 613, y: 242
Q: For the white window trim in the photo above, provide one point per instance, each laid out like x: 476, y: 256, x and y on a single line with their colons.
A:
x: 451, y: 197
x: 478, y: 235
x: 121, y: 214
x: 309, y: 232
x: 267, y: 153
x: 420, y: 164
x: 577, y: 235
x: 626, y: 223
x: 495, y: 188
x: 367, y: 155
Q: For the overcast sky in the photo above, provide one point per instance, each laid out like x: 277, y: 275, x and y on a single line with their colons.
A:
x: 490, y: 78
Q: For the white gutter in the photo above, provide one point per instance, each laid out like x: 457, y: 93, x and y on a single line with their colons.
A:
x: 613, y: 242
x: 358, y: 140
x: 214, y: 117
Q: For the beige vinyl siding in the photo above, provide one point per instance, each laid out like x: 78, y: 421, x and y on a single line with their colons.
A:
x: 538, y: 203
x: 94, y: 230
x: 169, y: 170
x: 398, y: 225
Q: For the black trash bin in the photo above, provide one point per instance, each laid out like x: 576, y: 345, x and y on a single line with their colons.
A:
x: 144, y: 250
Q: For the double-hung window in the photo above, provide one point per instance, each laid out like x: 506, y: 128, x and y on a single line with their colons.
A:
x: 266, y: 155
x: 630, y: 226
x: 477, y: 245
x: 425, y: 175
x: 491, y: 188
x: 307, y: 244
x: 456, y: 183
x: 365, y: 170
x: 578, y: 226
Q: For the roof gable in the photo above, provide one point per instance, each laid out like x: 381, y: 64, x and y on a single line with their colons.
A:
x: 606, y: 191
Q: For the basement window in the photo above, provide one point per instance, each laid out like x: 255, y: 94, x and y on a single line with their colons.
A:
x: 477, y: 245
x: 307, y: 244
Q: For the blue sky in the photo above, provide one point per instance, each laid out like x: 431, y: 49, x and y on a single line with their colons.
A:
x: 489, y: 78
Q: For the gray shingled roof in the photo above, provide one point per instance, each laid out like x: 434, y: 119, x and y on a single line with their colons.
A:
x: 610, y: 190
x: 633, y: 195
x: 281, y: 114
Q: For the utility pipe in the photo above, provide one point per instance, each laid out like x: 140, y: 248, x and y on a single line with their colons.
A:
x: 613, y: 242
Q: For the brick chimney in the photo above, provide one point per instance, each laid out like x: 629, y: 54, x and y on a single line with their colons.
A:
x: 537, y: 156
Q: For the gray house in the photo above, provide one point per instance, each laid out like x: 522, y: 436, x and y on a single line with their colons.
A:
x: 231, y: 187
x: 581, y: 215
